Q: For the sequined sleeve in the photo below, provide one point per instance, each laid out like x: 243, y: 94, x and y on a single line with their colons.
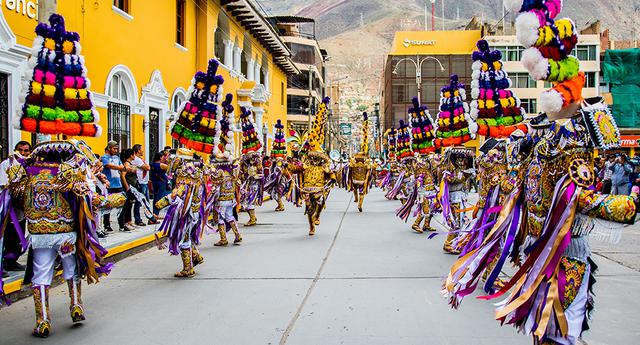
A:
x: 615, y: 208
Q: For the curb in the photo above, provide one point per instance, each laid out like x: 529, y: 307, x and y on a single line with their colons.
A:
x: 14, y: 290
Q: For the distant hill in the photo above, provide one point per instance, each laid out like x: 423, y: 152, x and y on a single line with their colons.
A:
x: 358, y: 33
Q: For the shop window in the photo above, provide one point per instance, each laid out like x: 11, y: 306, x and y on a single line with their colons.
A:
x: 530, y: 105
x: 180, y: 22
x: 122, y: 5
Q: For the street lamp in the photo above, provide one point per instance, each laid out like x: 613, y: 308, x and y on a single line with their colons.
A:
x: 418, y: 63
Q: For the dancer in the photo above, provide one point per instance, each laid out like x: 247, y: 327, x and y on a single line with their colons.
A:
x: 224, y: 180
x: 360, y: 167
x: 251, y: 167
x: 317, y: 177
x: 279, y: 179
x: 53, y: 183
x: 195, y: 128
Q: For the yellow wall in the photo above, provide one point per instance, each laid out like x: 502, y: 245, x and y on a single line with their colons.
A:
x: 435, y: 42
x: 144, y: 44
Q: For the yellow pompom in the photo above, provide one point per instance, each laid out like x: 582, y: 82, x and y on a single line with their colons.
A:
x: 67, y: 47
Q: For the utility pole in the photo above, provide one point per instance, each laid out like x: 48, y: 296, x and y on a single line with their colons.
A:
x: 310, y: 96
x: 426, y: 27
x: 45, y: 9
x: 442, y: 15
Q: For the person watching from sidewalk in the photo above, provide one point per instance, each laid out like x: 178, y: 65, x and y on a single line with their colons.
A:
x: 159, y: 179
x: 142, y: 172
x: 606, y: 173
x: 114, y: 170
x: 130, y: 180
x: 11, y: 245
x: 621, y: 170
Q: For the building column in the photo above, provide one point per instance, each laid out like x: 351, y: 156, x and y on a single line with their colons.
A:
x: 228, y: 53
x: 259, y: 117
x: 237, y: 62
x: 256, y: 73
x: 267, y: 76
x: 250, y: 69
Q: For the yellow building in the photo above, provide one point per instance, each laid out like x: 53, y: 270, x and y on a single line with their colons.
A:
x: 141, y: 57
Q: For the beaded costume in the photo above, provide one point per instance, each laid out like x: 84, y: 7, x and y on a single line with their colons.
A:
x: 316, y: 175
x: 361, y: 168
x: 279, y: 180
x: 53, y: 184
x: 252, y: 175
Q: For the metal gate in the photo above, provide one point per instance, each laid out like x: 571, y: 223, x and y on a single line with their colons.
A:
x: 4, y: 115
x: 154, y: 131
x: 119, y: 126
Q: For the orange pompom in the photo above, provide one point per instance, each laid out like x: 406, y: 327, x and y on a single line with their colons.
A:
x: 69, y: 128
x: 29, y: 124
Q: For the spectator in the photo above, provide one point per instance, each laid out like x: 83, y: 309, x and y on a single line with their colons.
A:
x: 606, y: 173
x: 142, y: 172
x: 621, y: 170
x: 11, y: 246
x: 114, y: 170
x: 130, y: 179
x: 159, y: 179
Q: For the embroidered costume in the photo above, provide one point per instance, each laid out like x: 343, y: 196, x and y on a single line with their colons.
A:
x: 251, y: 167
x: 53, y: 184
x: 361, y: 168
x: 316, y: 175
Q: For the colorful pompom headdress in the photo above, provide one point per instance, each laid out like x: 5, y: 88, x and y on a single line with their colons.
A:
x: 495, y: 108
x: 315, y: 140
x: 404, y: 141
x: 251, y: 140
x: 455, y: 127
x: 223, y: 149
x: 279, y: 148
x: 391, y: 135
x: 421, y: 128
x: 195, y: 127
x: 55, y: 95
x: 549, y: 44
x: 364, y: 147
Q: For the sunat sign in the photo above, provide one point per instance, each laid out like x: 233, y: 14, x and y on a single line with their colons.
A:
x: 408, y: 43
x: 24, y: 7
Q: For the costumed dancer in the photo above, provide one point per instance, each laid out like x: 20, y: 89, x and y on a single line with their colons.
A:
x: 551, y: 291
x: 405, y: 164
x: 455, y: 127
x: 317, y: 177
x: 279, y: 179
x: 361, y: 168
x: 225, y: 176
x: 386, y: 177
x: 195, y: 128
x: 53, y: 183
x: 452, y: 195
x: 251, y: 167
x: 424, y: 190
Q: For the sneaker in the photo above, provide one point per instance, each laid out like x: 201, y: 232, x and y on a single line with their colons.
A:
x: 125, y: 228
x: 101, y: 234
x: 153, y: 222
x: 140, y: 224
x: 108, y: 229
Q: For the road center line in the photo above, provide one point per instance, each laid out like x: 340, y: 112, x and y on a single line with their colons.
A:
x: 296, y: 316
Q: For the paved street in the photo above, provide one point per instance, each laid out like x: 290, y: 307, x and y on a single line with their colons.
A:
x: 363, y: 279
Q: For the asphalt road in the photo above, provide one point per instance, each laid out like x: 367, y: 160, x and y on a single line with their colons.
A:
x: 365, y: 278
